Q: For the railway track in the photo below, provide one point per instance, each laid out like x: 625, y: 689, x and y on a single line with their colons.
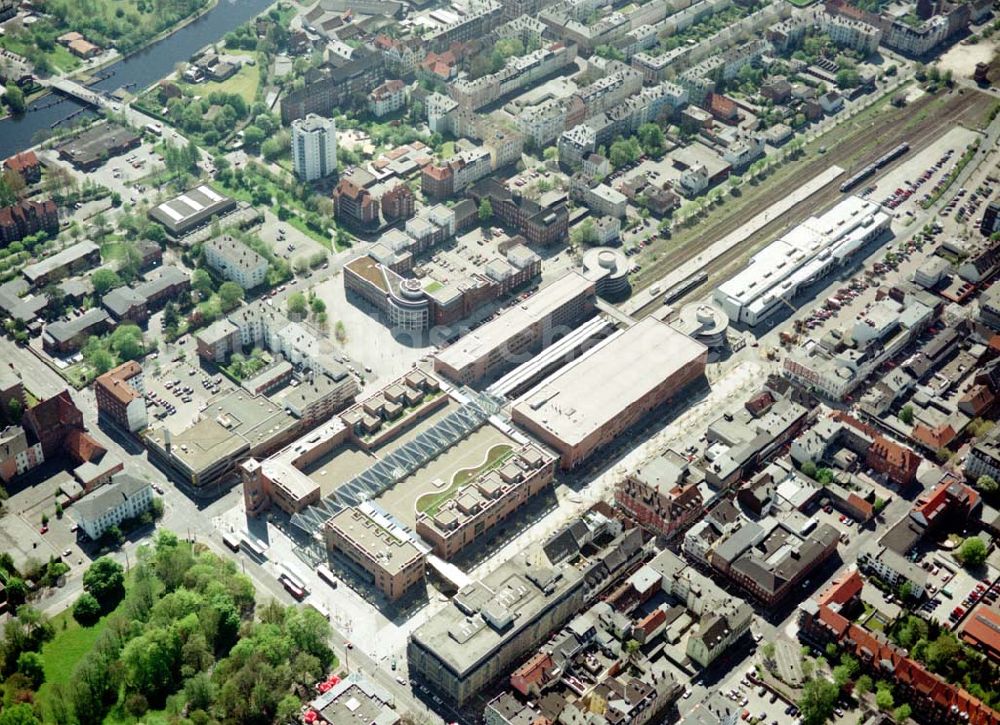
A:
x: 966, y: 108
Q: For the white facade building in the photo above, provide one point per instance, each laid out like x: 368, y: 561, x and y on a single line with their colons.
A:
x: 314, y: 147
x: 124, y: 498
x: 780, y: 270
x: 235, y: 261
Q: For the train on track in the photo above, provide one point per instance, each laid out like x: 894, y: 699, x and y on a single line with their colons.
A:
x: 870, y: 169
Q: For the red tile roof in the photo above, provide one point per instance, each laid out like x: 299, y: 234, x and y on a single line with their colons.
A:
x: 861, y: 505
x: 82, y: 447
x: 978, y: 399
x: 438, y: 173
x: 982, y: 630
x: 843, y: 589
x: 929, y: 505
x: 532, y: 672
x: 651, y: 621
x: 933, y: 437
x: 116, y: 382
x: 21, y: 161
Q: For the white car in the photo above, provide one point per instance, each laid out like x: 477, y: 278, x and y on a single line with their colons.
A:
x: 687, y: 694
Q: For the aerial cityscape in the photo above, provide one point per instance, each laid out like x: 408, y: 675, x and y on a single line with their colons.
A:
x: 499, y: 362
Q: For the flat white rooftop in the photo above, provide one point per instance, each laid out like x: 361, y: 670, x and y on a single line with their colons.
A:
x: 796, y: 258
x: 500, y: 331
x: 609, y: 379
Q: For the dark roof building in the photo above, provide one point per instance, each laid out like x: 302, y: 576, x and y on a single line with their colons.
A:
x: 191, y: 209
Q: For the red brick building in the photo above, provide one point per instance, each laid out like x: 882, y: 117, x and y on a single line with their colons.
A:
x: 354, y: 205
x: 26, y: 218
x: 51, y: 420
x: 437, y: 182
x: 26, y: 164
x: 398, y: 203
x: 897, y: 462
x: 659, y: 499
x: 119, y: 394
x: 932, y: 698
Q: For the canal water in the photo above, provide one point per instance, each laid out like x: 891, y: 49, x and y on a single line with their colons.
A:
x: 137, y: 71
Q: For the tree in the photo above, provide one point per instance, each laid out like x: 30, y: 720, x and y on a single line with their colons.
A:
x: 105, y: 280
x: 15, y: 409
x: 317, y: 306
x: 485, y: 210
x: 86, y: 610
x: 201, y: 281
x: 105, y: 580
x: 906, y: 414
x: 253, y: 136
x: 32, y: 666
x: 127, y: 341
x: 848, y: 78
x: 551, y: 153
x: 942, y: 652
x: 310, y: 632
x: 230, y: 295
x: 97, y: 356
x: 288, y: 709
x: 651, y: 138
x: 809, y: 469
x: 986, y: 484
x: 20, y: 714
x: 902, y: 713
x: 150, y: 660
x: 972, y: 552
x: 171, y: 318
x: 862, y: 685
x: 199, y: 691
x: 632, y: 647
x: 624, y: 152
x: 819, y: 697
x: 905, y: 591
x: 296, y: 303
x: 15, y: 99
x: 584, y: 233
x: 883, y: 696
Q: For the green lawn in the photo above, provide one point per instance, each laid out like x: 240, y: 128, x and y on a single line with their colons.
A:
x: 69, y: 645
x: 113, y: 251
x: 431, y: 502
x: 60, y: 58
x: 299, y: 224
x: 801, y: 3
x: 244, y: 83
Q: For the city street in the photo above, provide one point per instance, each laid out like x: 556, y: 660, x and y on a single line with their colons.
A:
x: 182, y: 515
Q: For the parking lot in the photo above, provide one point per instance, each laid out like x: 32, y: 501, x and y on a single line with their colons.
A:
x: 177, y: 395
x: 120, y: 173
x: 755, y: 702
x: 287, y: 241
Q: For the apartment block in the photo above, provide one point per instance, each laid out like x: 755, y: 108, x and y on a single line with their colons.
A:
x: 487, y: 501
x: 392, y: 561
x: 120, y: 394
x: 236, y: 261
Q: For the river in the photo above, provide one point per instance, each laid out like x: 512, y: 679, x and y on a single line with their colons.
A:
x: 137, y: 71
